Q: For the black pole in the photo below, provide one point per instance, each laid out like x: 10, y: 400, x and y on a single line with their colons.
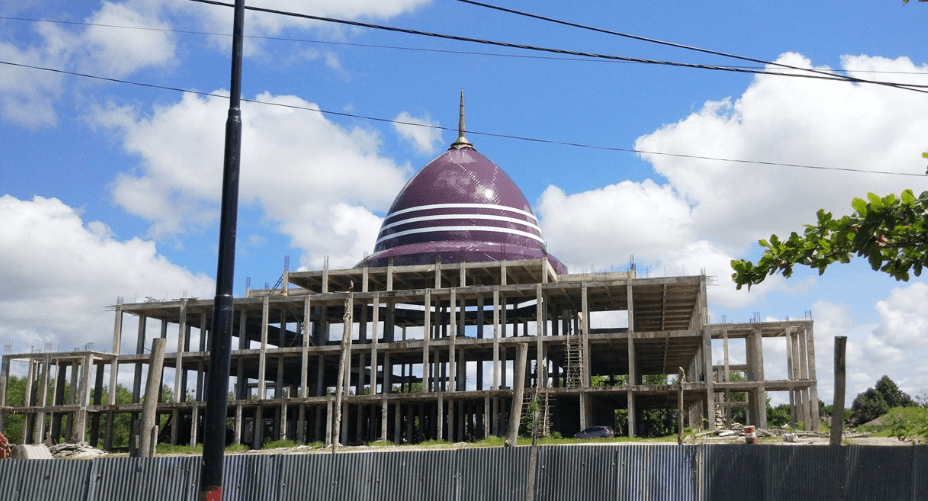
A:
x: 220, y: 339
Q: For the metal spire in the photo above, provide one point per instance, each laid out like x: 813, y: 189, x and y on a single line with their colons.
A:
x: 462, y: 141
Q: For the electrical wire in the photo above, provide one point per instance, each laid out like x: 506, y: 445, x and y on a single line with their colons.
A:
x: 471, y: 132
x: 822, y: 76
x: 679, y: 46
x: 393, y: 47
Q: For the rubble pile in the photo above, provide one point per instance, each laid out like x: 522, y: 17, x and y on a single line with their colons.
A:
x: 74, y: 450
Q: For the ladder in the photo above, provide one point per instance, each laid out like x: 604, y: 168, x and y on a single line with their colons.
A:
x: 545, y: 407
x: 573, y: 361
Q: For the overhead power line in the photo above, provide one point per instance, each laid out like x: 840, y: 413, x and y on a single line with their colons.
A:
x: 681, y: 46
x: 805, y: 74
x: 394, y: 47
x: 471, y: 132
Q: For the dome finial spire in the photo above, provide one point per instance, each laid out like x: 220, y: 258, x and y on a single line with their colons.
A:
x: 462, y: 141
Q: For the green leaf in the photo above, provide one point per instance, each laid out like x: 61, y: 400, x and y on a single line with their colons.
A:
x: 860, y: 206
x: 908, y: 197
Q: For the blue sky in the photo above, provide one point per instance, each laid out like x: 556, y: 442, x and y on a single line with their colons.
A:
x: 112, y: 190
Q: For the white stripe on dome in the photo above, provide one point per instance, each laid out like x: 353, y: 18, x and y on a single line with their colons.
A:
x: 434, y: 229
x: 462, y: 206
x: 462, y: 216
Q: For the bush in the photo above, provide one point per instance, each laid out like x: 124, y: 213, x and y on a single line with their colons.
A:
x: 906, y: 422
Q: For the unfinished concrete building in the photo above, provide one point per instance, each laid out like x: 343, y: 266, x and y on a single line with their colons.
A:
x: 458, y: 318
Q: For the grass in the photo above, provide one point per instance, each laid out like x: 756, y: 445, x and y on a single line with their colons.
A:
x: 280, y: 444
x: 197, y: 449
x: 179, y: 449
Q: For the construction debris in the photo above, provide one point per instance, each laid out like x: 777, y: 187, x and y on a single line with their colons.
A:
x: 74, y: 450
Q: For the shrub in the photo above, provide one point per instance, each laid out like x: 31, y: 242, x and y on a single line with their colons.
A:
x: 906, y: 422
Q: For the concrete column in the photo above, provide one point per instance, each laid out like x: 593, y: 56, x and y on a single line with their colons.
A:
x: 4, y: 381
x: 760, y: 404
x: 486, y: 416
x: 632, y: 362
x: 397, y: 421
x: 179, y: 392
x: 585, y: 339
x: 80, y: 430
x: 237, y: 431
x: 194, y: 422
x: 28, y: 401
x: 496, y: 333
x: 541, y: 359
x: 427, y: 334
x: 813, y: 390
x: 710, y: 381
x: 262, y: 354
x: 440, y: 421
x: 42, y: 400
x: 451, y: 430
x: 304, y: 354
x: 387, y: 385
x: 320, y: 376
x: 139, y: 350
x: 384, y: 419
x: 328, y: 422
x: 452, y: 368
x: 584, y: 411
x: 375, y: 341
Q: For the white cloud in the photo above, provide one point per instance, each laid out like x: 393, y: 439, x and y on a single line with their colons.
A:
x: 60, y: 273
x: 904, y: 317
x: 119, y: 52
x: 791, y: 120
x: 709, y: 212
x: 318, y: 181
x: 425, y: 138
x: 29, y: 95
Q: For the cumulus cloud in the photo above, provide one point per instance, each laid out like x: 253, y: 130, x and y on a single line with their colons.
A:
x: 708, y: 212
x: 28, y: 95
x: 318, y: 181
x: 904, y: 317
x: 889, y: 347
x: 424, y: 137
x: 59, y: 273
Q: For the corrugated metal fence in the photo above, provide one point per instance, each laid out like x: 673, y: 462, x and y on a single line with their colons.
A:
x: 647, y: 472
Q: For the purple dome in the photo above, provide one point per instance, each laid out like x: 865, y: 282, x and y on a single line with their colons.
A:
x: 460, y: 207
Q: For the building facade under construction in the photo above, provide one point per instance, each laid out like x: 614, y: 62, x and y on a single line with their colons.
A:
x: 456, y: 326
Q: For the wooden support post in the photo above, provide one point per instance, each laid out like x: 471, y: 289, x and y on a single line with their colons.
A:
x: 515, y: 414
x: 343, y: 368
x: 152, y: 392
x: 837, y: 405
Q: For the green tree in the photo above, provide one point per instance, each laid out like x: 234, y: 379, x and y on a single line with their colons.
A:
x: 890, y: 232
x: 875, y: 402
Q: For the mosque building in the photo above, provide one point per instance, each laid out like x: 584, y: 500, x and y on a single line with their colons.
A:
x: 456, y: 327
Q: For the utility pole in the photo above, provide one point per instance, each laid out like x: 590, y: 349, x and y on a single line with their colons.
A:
x: 220, y: 339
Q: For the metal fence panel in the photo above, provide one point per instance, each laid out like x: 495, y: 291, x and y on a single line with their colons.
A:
x: 144, y: 478
x: 324, y: 476
x: 44, y: 479
x: 250, y: 478
x: 648, y: 472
